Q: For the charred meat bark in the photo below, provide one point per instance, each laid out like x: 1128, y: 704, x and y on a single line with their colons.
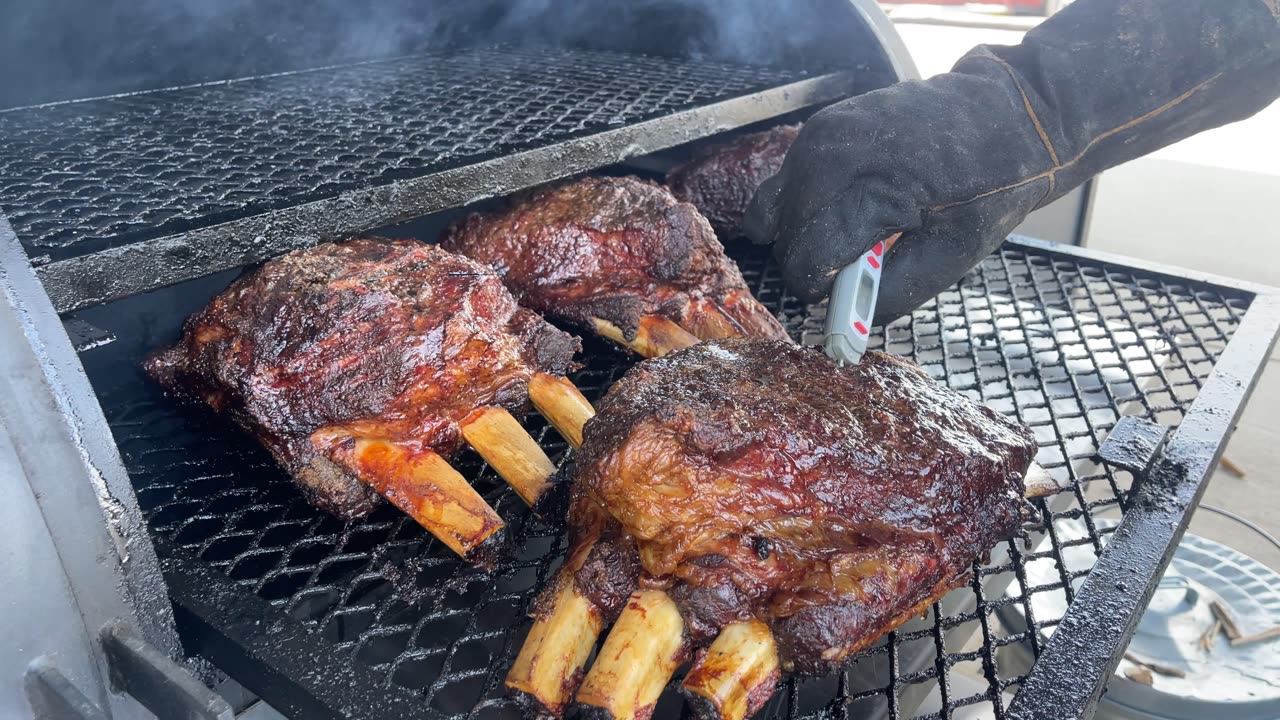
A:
x: 759, y: 481
x: 356, y: 363
x: 778, y: 511
x: 619, y: 251
x: 721, y: 180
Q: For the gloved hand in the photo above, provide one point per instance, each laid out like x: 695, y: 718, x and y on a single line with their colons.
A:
x: 957, y: 161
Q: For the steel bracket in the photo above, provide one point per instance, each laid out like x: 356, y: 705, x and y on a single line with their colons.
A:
x: 1133, y: 444
x: 54, y: 697
x: 162, y: 686
x: 85, y: 336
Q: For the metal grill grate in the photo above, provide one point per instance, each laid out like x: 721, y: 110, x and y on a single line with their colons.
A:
x: 1065, y: 344
x: 235, y: 172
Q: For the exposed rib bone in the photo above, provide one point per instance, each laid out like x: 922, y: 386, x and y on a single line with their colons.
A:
x: 655, y: 337
x: 643, y: 649
x: 737, y: 674
x: 426, y: 488
x: 715, y: 323
x: 549, y: 666
x: 562, y: 405
x: 507, y: 447
x: 1039, y: 483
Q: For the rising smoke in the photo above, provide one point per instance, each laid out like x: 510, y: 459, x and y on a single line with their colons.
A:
x: 63, y: 49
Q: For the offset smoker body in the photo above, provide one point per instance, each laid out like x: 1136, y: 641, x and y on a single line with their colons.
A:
x: 127, y: 212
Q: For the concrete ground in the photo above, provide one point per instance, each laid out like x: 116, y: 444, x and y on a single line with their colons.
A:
x: 1208, y: 203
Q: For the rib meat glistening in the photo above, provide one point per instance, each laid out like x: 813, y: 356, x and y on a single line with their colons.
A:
x: 619, y: 250
x: 772, y: 494
x: 763, y: 481
x: 355, y: 364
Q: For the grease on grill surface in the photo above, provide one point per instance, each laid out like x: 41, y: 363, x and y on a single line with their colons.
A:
x: 1082, y: 341
x: 78, y: 177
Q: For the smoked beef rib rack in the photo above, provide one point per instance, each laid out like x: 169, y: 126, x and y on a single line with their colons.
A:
x: 364, y: 365
x: 618, y: 256
x: 721, y: 494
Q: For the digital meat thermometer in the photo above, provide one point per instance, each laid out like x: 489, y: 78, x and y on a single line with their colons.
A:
x: 852, y: 306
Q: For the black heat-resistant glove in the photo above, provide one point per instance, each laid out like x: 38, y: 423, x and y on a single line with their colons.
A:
x: 957, y: 161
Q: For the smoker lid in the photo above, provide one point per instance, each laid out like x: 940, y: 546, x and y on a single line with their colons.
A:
x: 1227, y: 683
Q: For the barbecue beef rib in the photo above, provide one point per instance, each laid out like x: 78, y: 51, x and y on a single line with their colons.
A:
x: 721, y: 180
x: 759, y: 480
x: 617, y: 249
x: 353, y: 361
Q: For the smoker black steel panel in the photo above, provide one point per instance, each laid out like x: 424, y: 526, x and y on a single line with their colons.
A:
x: 1065, y: 343
x: 119, y: 195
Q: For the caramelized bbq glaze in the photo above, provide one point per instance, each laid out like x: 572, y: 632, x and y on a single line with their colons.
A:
x: 371, y: 339
x: 758, y: 479
x: 617, y: 249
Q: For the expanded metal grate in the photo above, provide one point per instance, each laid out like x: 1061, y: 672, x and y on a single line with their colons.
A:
x: 210, y: 177
x: 1065, y: 344
x: 81, y: 174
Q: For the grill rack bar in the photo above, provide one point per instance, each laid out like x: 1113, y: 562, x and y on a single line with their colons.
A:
x: 1070, y: 676
x: 120, y: 195
x: 1065, y: 299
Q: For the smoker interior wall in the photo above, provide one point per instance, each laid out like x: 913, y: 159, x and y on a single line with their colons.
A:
x: 67, y: 49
